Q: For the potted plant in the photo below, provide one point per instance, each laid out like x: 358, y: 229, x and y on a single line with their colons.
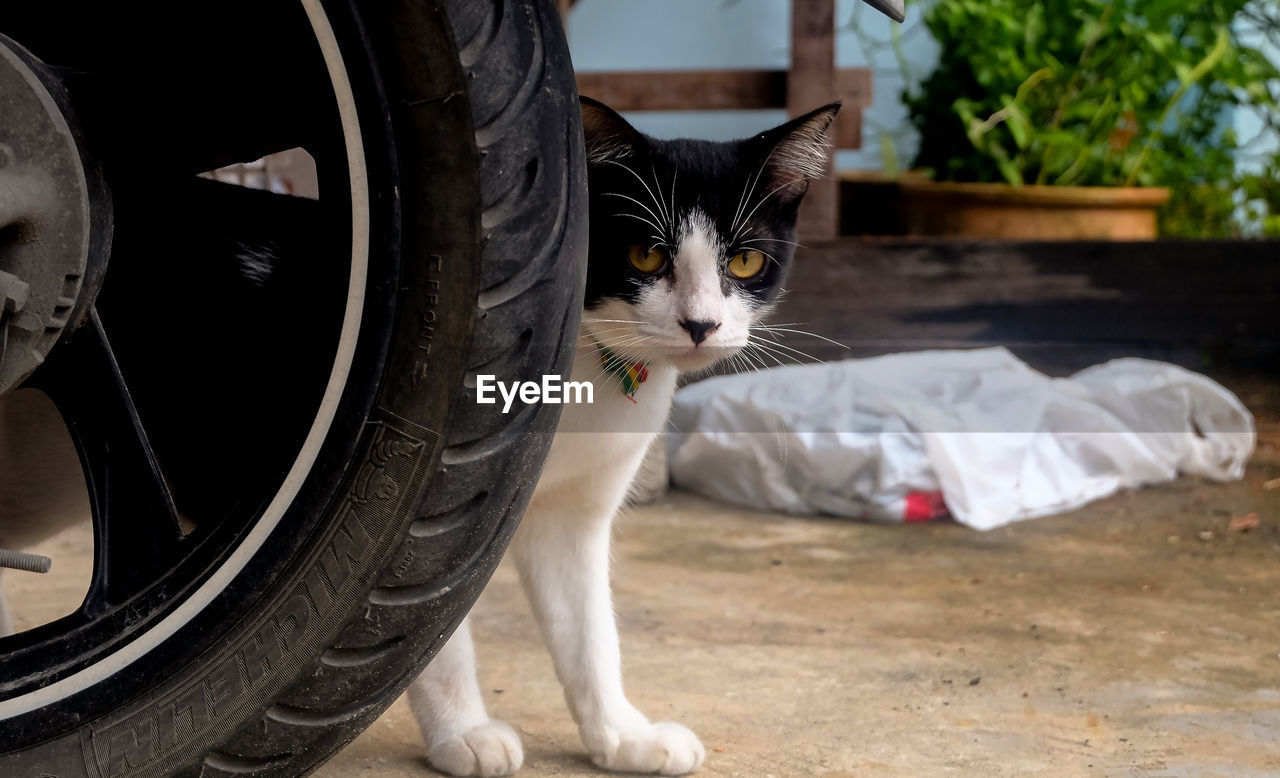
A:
x: 1064, y: 119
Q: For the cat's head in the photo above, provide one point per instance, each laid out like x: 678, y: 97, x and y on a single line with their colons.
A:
x: 691, y: 239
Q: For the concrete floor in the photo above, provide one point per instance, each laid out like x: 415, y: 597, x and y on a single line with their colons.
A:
x: 1137, y: 637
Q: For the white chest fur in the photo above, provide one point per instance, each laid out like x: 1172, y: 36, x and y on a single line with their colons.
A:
x: 600, y: 445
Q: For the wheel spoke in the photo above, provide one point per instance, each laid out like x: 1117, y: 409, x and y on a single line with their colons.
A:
x: 136, y: 526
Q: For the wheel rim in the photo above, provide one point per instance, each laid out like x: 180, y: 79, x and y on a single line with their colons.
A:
x: 114, y: 436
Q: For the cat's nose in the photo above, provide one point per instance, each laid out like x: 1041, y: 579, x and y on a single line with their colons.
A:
x: 699, y: 330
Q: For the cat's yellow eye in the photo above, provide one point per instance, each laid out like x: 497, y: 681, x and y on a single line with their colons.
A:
x: 647, y: 260
x: 746, y: 264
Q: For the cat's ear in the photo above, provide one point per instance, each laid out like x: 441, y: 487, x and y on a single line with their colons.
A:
x: 798, y: 152
x: 608, y: 135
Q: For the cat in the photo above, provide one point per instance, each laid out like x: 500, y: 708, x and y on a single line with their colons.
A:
x: 690, y: 241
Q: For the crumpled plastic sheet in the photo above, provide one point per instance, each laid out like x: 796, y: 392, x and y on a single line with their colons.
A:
x: 977, y: 435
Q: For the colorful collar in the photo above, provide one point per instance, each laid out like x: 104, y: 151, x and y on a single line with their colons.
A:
x: 630, y: 374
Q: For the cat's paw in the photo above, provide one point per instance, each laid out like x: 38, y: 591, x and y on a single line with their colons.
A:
x: 487, y: 750
x: 665, y: 747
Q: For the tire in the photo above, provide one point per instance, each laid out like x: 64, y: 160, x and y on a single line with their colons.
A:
x: 470, y: 131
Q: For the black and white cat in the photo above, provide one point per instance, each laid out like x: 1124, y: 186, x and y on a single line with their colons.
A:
x: 690, y: 242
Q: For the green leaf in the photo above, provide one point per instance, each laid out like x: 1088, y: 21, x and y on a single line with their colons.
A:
x: 1160, y: 42
x: 889, y: 156
x: 1011, y: 174
x: 1019, y: 125
x: 1062, y: 138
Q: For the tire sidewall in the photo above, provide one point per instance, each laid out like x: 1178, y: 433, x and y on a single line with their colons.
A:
x: 359, y: 497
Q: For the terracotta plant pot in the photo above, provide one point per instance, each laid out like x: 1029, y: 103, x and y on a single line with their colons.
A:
x: 1031, y: 212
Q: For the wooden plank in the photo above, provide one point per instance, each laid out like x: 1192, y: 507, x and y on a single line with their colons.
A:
x: 811, y: 82
x: 714, y: 90
x: 847, y: 132
x: 853, y: 87
x: 687, y: 90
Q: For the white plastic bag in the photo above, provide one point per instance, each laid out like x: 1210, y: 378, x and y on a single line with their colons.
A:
x: 976, y: 433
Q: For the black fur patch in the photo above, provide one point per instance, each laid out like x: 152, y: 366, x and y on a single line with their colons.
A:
x: 642, y: 190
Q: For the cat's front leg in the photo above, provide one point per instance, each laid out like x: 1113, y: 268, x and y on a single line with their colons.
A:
x: 460, y: 737
x: 564, y: 564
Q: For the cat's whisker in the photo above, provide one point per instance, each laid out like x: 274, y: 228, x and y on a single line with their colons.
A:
x: 775, y: 337
x: 599, y: 371
x: 742, y: 198
x: 621, y: 350
x: 746, y: 198
x: 772, y: 240
x: 638, y: 178
x: 618, y: 340
x: 612, y: 325
x: 656, y: 218
x: 661, y: 203
x: 603, y: 373
x: 757, y: 355
x: 586, y: 344
x: 626, y: 342
x: 778, y: 328
x: 639, y: 332
x: 639, y: 218
x: 762, y: 343
x: 781, y: 356
x: 674, y: 174
x: 625, y: 347
x: 772, y: 356
x: 763, y: 354
x: 617, y: 328
x: 591, y: 344
x: 769, y: 256
x: 785, y: 348
x: 763, y: 200
x: 647, y: 222
x: 749, y: 364
x: 593, y: 320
